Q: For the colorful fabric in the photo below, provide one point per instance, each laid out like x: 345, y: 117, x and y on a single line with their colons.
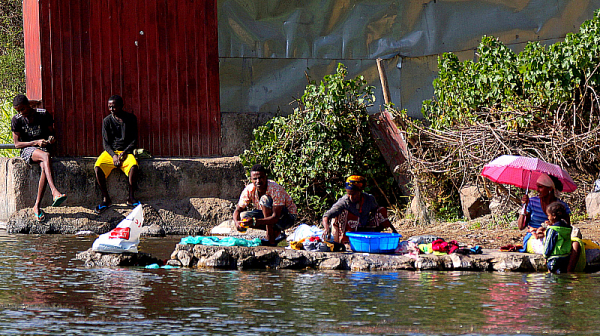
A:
x: 538, y: 217
x: 535, y: 246
x: 356, y: 182
x: 442, y: 246
x: 278, y: 194
x: 545, y: 180
x: 27, y: 152
x: 218, y: 241
x: 105, y: 162
x: 349, y: 222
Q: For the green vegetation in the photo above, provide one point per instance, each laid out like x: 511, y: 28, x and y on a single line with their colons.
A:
x: 12, y: 65
x: 326, y: 139
x: 542, y: 102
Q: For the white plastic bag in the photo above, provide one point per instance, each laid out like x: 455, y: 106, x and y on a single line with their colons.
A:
x: 125, y: 237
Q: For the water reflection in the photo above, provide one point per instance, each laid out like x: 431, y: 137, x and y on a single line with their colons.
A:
x: 43, y: 290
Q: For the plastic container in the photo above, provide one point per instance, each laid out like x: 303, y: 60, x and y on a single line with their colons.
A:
x: 373, y: 242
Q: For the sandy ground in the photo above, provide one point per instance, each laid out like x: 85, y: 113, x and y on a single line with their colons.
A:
x: 485, y: 233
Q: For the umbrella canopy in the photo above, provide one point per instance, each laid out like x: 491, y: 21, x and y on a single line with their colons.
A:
x: 523, y: 172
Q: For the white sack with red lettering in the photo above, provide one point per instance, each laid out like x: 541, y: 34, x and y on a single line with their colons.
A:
x: 125, y: 237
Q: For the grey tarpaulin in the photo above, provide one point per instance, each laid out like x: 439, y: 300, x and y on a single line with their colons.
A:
x: 265, y: 46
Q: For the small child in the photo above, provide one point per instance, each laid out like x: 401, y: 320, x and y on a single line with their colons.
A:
x: 557, y: 243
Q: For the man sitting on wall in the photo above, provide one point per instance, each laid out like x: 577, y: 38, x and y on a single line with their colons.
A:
x: 33, y: 134
x: 274, y: 210
x: 119, y: 137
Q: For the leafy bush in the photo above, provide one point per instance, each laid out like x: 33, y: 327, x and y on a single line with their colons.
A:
x: 327, y: 138
x: 12, y: 55
x: 6, y: 114
x: 12, y: 65
x: 541, y: 102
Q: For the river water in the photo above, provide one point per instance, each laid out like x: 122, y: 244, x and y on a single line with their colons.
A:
x: 44, y: 291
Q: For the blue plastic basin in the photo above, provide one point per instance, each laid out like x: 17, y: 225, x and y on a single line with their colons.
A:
x: 373, y: 242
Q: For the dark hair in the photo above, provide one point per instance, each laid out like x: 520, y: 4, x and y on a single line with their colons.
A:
x: 117, y: 99
x: 258, y: 168
x: 20, y: 99
x: 558, y: 210
x: 557, y: 183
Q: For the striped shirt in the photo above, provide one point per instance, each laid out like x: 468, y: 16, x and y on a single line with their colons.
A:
x: 538, y: 216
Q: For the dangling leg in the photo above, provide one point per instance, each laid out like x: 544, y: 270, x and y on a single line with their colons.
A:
x: 133, y: 172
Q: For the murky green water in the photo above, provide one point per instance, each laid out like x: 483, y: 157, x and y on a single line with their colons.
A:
x: 43, y: 290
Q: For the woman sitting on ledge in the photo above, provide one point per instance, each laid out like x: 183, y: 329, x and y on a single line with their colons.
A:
x: 355, y: 211
x: 533, y: 215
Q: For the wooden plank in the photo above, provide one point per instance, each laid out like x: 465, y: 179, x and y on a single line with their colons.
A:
x: 390, y: 142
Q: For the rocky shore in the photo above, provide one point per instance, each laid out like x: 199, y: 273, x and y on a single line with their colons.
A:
x: 244, y: 258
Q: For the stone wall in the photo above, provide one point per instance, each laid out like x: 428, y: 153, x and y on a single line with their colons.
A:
x: 160, y: 179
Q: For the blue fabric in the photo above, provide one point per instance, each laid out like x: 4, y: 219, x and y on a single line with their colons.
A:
x: 525, y: 240
x: 216, y: 241
x: 538, y: 217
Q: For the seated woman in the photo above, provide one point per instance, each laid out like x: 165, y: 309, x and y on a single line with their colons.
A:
x: 355, y: 211
x: 533, y: 216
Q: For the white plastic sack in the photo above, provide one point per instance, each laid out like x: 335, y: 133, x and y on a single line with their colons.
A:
x: 305, y: 231
x: 125, y: 237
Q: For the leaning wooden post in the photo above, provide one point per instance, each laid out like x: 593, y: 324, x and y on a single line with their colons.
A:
x: 384, y: 82
x: 387, y: 135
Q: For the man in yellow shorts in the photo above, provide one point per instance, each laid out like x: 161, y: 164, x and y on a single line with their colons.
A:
x: 119, y: 137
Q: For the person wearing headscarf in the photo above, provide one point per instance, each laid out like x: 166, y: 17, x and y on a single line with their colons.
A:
x: 533, y: 214
x: 355, y: 211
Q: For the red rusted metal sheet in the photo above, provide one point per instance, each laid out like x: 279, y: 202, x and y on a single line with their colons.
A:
x: 161, y: 56
x: 391, y: 144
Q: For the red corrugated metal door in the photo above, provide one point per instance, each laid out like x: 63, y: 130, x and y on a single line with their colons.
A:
x: 160, y: 55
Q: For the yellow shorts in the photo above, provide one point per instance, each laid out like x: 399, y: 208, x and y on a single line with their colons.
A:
x: 105, y: 162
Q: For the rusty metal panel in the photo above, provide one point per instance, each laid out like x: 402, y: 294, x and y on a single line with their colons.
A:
x: 160, y: 56
x: 33, y: 59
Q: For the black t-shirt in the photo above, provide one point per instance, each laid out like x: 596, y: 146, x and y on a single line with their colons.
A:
x: 119, y: 136
x: 36, y: 128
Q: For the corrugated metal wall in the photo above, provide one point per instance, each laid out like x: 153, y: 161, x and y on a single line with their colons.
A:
x: 160, y: 56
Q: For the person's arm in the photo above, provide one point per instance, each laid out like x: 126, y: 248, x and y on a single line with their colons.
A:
x: 326, y: 230
x: 23, y: 144
x: 132, y: 133
x: 107, y: 138
x: 574, y: 256
x: 524, y: 216
x: 51, y: 138
x: 236, y: 214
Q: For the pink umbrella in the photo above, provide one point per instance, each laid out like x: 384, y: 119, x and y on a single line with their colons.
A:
x: 523, y: 172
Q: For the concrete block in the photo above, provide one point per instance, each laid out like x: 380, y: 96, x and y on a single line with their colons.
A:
x: 165, y: 179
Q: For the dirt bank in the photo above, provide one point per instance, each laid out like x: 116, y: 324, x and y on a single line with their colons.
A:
x: 485, y: 233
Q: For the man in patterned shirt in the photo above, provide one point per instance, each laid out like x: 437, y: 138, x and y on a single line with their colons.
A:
x: 274, y: 210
